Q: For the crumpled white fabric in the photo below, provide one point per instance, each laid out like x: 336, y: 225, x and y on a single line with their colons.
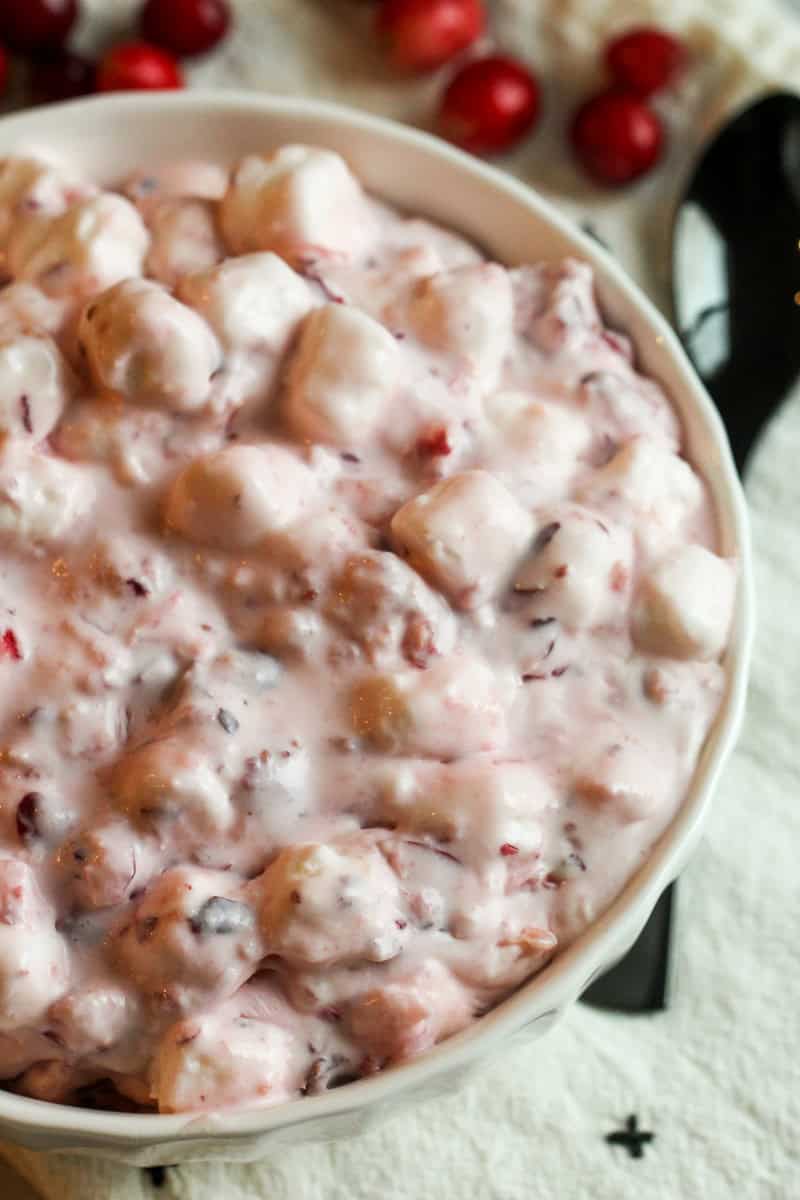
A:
x: 717, y: 1077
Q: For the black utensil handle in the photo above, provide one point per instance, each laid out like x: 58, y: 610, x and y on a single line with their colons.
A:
x: 640, y: 982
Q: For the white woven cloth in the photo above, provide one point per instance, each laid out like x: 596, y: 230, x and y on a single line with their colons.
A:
x: 717, y: 1077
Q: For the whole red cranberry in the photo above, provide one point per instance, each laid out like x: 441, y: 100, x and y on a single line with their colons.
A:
x: 3, y: 70
x: 137, y: 66
x: 423, y: 34
x: 489, y: 105
x: 36, y: 26
x: 644, y: 60
x: 616, y: 137
x: 61, y: 76
x: 185, y: 27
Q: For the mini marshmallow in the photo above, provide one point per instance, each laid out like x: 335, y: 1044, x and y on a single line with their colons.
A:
x: 329, y: 903
x: 405, y: 1017
x: 191, y: 932
x: 238, y: 496
x: 342, y: 377
x: 476, y: 808
x: 299, y: 199
x: 452, y: 709
x: 533, y: 446
x: 645, y: 477
x: 34, y: 964
x: 170, y: 780
x: 579, y: 570
x: 204, y: 1063
x: 684, y: 605
x: 467, y: 311
x: 35, y: 386
x: 465, y: 534
x: 184, y: 238
x: 252, y: 302
x: 89, y: 248
x: 385, y: 606
x: 147, y: 346
x: 42, y: 499
x: 30, y: 186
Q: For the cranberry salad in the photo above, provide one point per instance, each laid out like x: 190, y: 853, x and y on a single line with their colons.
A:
x: 360, y: 629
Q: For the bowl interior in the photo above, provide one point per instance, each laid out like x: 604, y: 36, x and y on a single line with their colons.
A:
x: 105, y: 138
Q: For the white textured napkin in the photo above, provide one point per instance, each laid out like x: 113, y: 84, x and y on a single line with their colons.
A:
x: 717, y: 1077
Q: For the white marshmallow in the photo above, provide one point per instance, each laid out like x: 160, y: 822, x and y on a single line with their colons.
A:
x: 465, y: 534
x: 42, y: 499
x: 342, y: 377
x: 34, y: 965
x: 184, y: 238
x: 295, y: 200
x: 169, y: 779
x: 204, y: 1063
x: 581, y: 574
x: 35, y: 387
x: 451, y: 709
x: 474, y: 807
x: 147, y: 346
x: 644, y: 476
x: 238, y: 496
x: 684, y: 605
x: 467, y: 311
x: 89, y: 248
x: 348, y: 907
x: 251, y: 302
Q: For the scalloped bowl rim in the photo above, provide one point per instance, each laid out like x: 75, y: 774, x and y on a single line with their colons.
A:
x: 42, y: 1123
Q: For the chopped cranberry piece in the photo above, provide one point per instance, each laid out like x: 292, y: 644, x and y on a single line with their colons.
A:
x: 9, y: 646
x: 434, y: 444
x: 508, y: 848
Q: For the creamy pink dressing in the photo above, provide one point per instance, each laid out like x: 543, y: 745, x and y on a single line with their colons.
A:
x: 361, y: 625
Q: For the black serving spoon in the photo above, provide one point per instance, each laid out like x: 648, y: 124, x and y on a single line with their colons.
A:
x: 736, y: 295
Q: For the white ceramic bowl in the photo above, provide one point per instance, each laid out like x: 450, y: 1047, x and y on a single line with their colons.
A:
x: 105, y: 138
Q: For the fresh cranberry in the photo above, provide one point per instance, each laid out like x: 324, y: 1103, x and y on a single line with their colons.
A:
x: 644, y: 60
x: 616, y: 137
x: 36, y: 26
x: 137, y: 66
x: 3, y: 70
x: 9, y: 646
x: 185, y: 27
x: 424, y: 34
x: 62, y: 76
x: 489, y: 105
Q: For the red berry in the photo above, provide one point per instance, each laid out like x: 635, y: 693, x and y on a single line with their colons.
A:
x: 36, y: 26
x: 489, y: 104
x: 137, y: 66
x: 616, y: 137
x: 63, y: 76
x: 3, y: 70
x: 9, y: 646
x: 185, y: 27
x: 424, y: 34
x: 645, y: 59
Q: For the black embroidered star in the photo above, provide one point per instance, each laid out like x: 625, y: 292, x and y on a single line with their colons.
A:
x: 631, y: 1137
